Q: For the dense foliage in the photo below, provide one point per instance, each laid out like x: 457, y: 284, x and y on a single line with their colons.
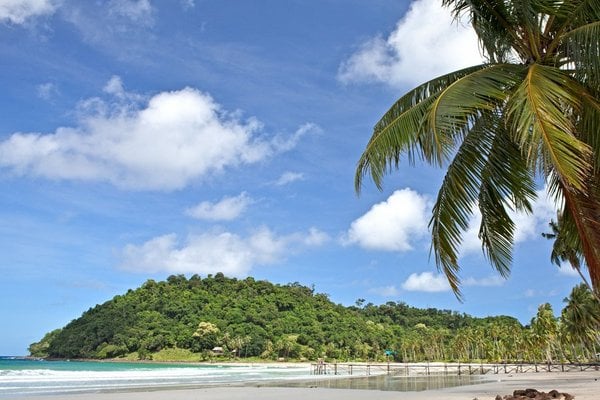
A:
x: 187, y: 318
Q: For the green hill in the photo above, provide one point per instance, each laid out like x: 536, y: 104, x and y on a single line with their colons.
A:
x: 187, y: 318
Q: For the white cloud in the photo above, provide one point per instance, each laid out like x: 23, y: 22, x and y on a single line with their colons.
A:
x: 227, y: 209
x: 392, y: 225
x: 187, y: 4
x: 289, y: 177
x: 19, y: 11
x: 315, y: 237
x: 385, y: 291
x: 46, y: 91
x: 485, y: 282
x: 114, y: 86
x: 430, y: 282
x: 208, y: 253
x: 426, y: 43
x: 283, y: 143
x: 175, y: 138
x: 139, y: 11
x: 426, y: 282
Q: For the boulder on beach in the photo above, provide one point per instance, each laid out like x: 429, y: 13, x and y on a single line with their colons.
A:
x: 527, y: 394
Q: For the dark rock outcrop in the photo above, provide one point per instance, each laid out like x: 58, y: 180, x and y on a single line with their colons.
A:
x: 529, y: 394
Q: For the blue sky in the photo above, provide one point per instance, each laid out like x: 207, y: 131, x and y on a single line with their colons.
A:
x: 144, y: 138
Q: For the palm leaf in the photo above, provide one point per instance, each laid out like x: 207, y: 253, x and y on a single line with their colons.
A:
x: 540, y: 111
x: 493, y: 23
x: 500, y: 191
x: 582, y: 46
x: 462, y: 102
x: 457, y: 198
x: 401, y: 130
x: 478, y: 175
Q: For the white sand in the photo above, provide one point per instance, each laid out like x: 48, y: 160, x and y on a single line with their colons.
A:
x: 582, y: 385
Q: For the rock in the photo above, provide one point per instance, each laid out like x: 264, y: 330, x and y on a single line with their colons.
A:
x: 528, y: 394
x: 554, y: 394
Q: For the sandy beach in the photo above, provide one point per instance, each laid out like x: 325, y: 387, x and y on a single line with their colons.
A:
x: 582, y: 385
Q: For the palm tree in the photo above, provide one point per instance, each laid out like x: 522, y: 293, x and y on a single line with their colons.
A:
x: 531, y: 111
x: 567, y: 248
x: 580, y: 319
x: 544, y: 327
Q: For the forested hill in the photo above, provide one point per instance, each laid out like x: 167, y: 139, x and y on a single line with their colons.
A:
x: 250, y: 318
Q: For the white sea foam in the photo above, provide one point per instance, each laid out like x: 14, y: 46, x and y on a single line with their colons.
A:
x: 52, y: 381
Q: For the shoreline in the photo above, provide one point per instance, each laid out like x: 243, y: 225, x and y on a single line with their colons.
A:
x: 583, y: 385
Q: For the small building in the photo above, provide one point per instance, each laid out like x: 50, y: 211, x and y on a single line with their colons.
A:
x: 217, y: 350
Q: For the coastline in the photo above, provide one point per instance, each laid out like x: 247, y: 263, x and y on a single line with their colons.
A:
x: 583, y: 385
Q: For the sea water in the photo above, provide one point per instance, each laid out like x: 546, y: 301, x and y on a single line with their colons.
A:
x: 22, y: 376
x: 19, y: 376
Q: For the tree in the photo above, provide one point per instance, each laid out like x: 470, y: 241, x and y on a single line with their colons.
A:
x: 531, y: 111
x: 580, y: 320
x: 207, y: 335
x: 544, y: 327
x: 565, y: 248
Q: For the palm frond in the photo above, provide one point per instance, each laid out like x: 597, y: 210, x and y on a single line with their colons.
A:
x: 582, y: 47
x: 500, y: 191
x: 540, y: 112
x: 494, y: 24
x: 477, y: 175
x: 401, y: 131
x: 462, y: 102
x: 569, y: 16
x: 456, y: 199
x: 589, y: 125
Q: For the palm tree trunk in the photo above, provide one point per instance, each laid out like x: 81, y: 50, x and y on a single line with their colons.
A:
x: 585, y: 209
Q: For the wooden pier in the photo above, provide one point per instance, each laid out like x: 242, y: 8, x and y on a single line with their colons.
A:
x: 424, y: 369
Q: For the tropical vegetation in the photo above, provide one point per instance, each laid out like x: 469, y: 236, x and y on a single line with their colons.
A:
x: 529, y: 114
x: 188, y: 319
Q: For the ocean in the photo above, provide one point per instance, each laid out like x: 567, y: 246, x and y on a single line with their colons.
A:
x: 20, y: 376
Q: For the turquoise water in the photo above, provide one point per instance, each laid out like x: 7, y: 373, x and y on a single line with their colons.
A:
x: 28, y: 377
x: 19, y: 377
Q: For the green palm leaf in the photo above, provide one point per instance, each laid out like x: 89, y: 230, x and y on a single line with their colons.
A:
x: 582, y: 46
x: 462, y: 102
x: 400, y: 130
x: 540, y: 111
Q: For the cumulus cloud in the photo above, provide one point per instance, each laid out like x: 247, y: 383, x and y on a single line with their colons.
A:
x: 289, y: 177
x: 392, y: 225
x: 426, y: 43
x: 19, y: 11
x: 164, y: 144
x: 214, y: 252
x: 227, y: 209
x: 426, y: 282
